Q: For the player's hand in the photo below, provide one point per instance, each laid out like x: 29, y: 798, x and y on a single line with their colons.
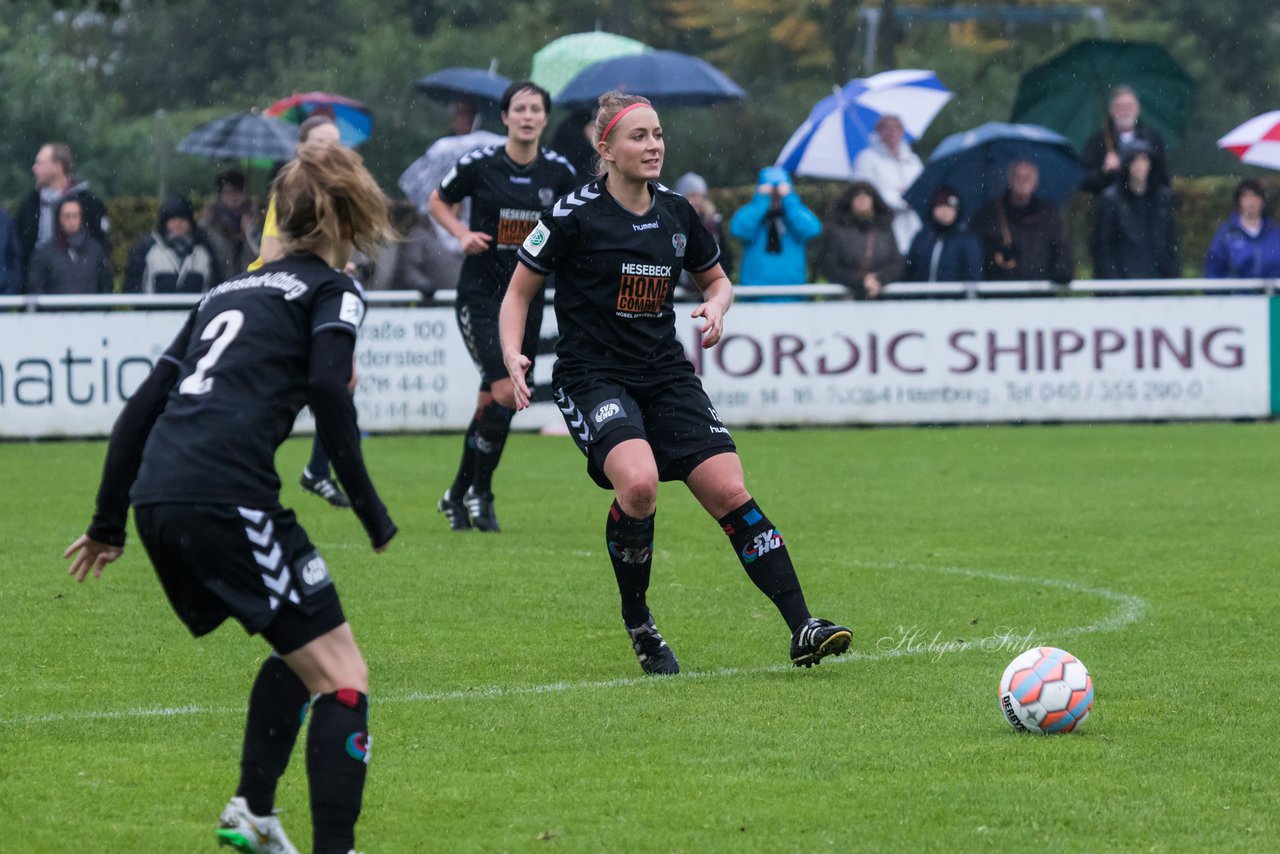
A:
x: 713, y: 327
x: 475, y: 242
x: 88, y: 554
x: 517, y: 366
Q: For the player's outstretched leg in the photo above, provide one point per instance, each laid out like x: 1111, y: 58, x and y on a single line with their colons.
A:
x: 493, y: 424
x: 763, y: 553
x: 630, y: 545
x: 317, y: 479
x: 277, y: 705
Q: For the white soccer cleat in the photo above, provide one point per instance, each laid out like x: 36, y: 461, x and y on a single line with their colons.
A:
x: 252, y: 834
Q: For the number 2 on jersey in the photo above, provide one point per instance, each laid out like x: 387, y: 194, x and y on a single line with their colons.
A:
x: 223, y: 329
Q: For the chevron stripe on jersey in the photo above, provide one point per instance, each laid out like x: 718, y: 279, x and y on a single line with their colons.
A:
x: 573, y: 417
x: 577, y: 198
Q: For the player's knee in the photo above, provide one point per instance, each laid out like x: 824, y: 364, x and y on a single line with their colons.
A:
x: 637, y: 493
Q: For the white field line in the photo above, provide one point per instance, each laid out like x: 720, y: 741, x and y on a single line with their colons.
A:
x: 1129, y: 609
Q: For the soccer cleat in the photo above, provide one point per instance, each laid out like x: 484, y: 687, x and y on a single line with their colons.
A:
x: 817, y: 639
x: 326, y: 488
x: 252, y: 834
x: 480, y: 510
x: 655, y: 656
x: 455, y: 511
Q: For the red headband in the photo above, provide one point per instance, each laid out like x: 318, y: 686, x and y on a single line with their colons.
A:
x: 628, y: 108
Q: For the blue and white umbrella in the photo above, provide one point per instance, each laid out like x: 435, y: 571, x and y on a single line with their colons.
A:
x: 841, y: 124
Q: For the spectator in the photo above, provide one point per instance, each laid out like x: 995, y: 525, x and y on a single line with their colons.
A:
x: 175, y: 258
x: 1101, y: 152
x: 694, y: 188
x: 55, y: 179
x: 572, y: 141
x: 1247, y: 245
x: 889, y: 165
x: 10, y: 255
x: 1135, y: 233
x: 227, y: 221
x: 774, y: 228
x: 1023, y: 236
x: 944, y: 250
x: 72, y: 262
x: 859, y: 250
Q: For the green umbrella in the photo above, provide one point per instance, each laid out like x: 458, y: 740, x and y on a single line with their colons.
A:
x: 1070, y: 92
x: 561, y: 60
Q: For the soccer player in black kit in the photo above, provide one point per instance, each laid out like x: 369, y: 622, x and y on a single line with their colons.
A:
x: 509, y: 186
x: 194, y: 451
x: 630, y: 397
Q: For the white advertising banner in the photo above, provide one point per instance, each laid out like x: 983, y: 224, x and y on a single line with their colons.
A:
x: 990, y: 360
x: 69, y: 373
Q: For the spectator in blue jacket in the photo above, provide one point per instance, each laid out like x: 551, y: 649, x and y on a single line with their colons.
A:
x: 944, y: 250
x: 1247, y: 245
x: 774, y: 228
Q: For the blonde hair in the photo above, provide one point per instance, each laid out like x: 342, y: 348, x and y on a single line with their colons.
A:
x: 611, y: 103
x: 325, y: 196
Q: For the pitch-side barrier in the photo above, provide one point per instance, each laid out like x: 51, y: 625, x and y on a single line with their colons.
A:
x: 984, y: 352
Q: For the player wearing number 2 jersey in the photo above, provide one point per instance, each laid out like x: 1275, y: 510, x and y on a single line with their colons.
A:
x: 194, y: 450
x: 632, y: 402
x: 508, y: 186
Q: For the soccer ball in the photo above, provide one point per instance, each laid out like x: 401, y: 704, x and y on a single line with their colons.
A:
x: 1046, y: 690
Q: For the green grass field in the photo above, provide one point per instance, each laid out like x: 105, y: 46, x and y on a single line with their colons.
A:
x: 509, y: 714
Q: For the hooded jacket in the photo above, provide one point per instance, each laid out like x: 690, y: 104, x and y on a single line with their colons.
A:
x: 797, y: 225
x: 891, y: 176
x: 28, y: 218
x: 160, y: 264
x: 75, y: 264
x: 1135, y: 237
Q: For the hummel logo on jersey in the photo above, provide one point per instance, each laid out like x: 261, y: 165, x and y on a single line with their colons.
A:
x: 764, y: 543
x: 520, y: 179
x: 645, y: 226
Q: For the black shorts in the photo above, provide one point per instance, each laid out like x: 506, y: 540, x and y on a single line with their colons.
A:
x: 257, y: 565
x: 478, y: 322
x: 671, y: 412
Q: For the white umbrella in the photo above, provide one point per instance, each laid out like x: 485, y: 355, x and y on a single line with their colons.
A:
x: 1257, y: 141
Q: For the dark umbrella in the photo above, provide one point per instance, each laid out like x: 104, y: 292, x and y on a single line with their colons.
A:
x: 665, y: 77
x: 1070, y: 92
x: 242, y: 136
x: 449, y: 84
x: 974, y: 163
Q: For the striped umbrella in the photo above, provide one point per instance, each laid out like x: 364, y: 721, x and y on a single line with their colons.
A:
x: 840, y: 125
x: 1257, y: 141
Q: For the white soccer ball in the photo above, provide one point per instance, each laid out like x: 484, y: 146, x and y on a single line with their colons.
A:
x: 1046, y: 690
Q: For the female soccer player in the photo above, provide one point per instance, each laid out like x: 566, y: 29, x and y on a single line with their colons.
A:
x: 508, y: 186
x: 194, y: 451
x: 631, y: 399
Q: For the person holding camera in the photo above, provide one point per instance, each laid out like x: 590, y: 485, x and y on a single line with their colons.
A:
x: 774, y: 228
x: 1023, y: 236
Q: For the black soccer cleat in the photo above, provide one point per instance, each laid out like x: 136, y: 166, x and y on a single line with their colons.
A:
x: 455, y: 511
x: 817, y: 639
x: 326, y: 488
x: 656, y: 658
x: 480, y: 510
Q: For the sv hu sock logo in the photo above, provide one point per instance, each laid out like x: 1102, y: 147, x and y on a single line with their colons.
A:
x: 358, y: 746
x: 762, y: 545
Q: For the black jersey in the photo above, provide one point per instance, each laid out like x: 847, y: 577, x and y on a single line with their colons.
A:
x: 615, y: 271
x: 243, y: 378
x: 506, y: 199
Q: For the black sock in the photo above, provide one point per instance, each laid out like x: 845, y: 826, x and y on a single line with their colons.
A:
x: 467, y: 465
x: 277, y: 705
x: 318, y: 465
x: 630, y: 543
x: 337, y: 759
x: 493, y: 423
x: 764, y: 556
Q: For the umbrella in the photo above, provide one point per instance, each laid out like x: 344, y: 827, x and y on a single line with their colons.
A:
x: 449, y: 84
x: 1257, y: 141
x: 243, y: 136
x: 974, y: 163
x: 426, y: 173
x: 352, y: 117
x: 839, y: 126
x: 1070, y: 92
x: 665, y: 77
x: 560, y: 61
